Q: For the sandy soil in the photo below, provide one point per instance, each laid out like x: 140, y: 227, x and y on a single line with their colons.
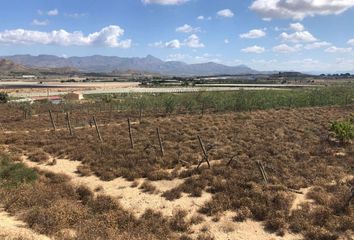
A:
x: 227, y: 229
x: 132, y: 199
x: 300, y: 199
x: 136, y: 201
x: 11, y: 229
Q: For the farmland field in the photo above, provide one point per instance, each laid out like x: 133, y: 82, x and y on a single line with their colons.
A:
x: 277, y: 171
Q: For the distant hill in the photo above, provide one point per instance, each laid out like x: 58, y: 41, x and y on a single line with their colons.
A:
x: 105, y: 64
x: 8, y: 67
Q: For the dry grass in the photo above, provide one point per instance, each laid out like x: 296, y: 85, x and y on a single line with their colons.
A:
x: 292, y: 144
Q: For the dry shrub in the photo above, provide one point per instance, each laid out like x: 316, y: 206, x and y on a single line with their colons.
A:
x: 178, y: 221
x: 61, y: 214
x: 51, y: 177
x: 102, y: 204
x: 148, y: 187
x: 196, y: 219
x: 134, y: 184
x: 38, y: 156
x: 242, y: 214
x: 172, y: 194
x: 84, y: 170
x: 155, y: 222
x: 85, y: 194
x: 159, y: 175
x: 185, y: 237
x: 205, y: 236
x: 320, y: 233
x: 276, y: 222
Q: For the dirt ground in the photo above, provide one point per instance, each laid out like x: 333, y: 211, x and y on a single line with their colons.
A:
x: 293, y: 144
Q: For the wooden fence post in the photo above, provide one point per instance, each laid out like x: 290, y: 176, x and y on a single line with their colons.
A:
x: 263, y: 172
x: 130, y: 134
x: 206, y: 157
x: 97, y: 130
x: 52, y: 120
x: 160, y: 141
x: 69, y: 124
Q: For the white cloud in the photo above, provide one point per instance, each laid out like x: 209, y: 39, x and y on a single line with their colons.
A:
x: 173, y: 44
x: 351, y: 42
x: 40, y: 23
x: 225, y: 13
x: 303, y: 36
x: 226, y: 41
x: 75, y: 15
x: 201, y: 17
x: 335, y: 49
x: 298, y: 27
x: 255, y: 33
x: 299, y: 9
x: 107, y: 36
x: 254, y: 49
x: 165, y: 2
x: 53, y: 12
x: 193, y: 41
x: 187, y: 29
x: 284, y: 48
x: 316, y: 45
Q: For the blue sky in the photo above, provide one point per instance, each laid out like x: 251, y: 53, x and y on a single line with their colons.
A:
x: 305, y: 35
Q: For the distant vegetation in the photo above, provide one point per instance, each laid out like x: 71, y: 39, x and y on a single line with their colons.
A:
x: 243, y: 100
x: 4, y: 97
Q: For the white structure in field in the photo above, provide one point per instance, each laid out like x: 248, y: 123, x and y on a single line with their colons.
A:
x: 29, y: 76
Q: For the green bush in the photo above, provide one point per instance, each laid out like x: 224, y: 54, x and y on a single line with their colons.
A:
x: 344, y: 130
x: 13, y: 174
x: 4, y: 97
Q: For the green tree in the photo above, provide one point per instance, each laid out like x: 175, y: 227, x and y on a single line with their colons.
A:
x: 4, y: 97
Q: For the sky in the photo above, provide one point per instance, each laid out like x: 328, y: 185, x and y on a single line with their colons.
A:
x: 300, y: 35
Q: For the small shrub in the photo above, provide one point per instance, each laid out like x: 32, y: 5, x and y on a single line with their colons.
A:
x: 4, y: 97
x: 344, y: 130
x: 196, y: 219
x: 14, y: 174
x: 38, y: 156
x: 148, y: 187
x: 178, y: 222
x: 172, y: 194
x: 102, y: 204
x: 85, y: 194
x: 242, y: 214
x: 84, y: 170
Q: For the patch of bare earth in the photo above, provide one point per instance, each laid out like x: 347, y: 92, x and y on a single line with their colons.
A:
x: 11, y: 229
x: 131, y: 198
x: 227, y: 229
x: 137, y: 201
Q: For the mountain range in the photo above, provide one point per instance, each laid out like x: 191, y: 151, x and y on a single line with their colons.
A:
x: 107, y: 64
x: 10, y: 67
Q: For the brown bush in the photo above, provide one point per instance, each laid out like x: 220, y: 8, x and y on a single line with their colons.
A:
x: 178, y: 221
x: 84, y: 170
x: 38, y: 156
x: 148, y: 187
x: 61, y: 214
x: 85, y: 194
